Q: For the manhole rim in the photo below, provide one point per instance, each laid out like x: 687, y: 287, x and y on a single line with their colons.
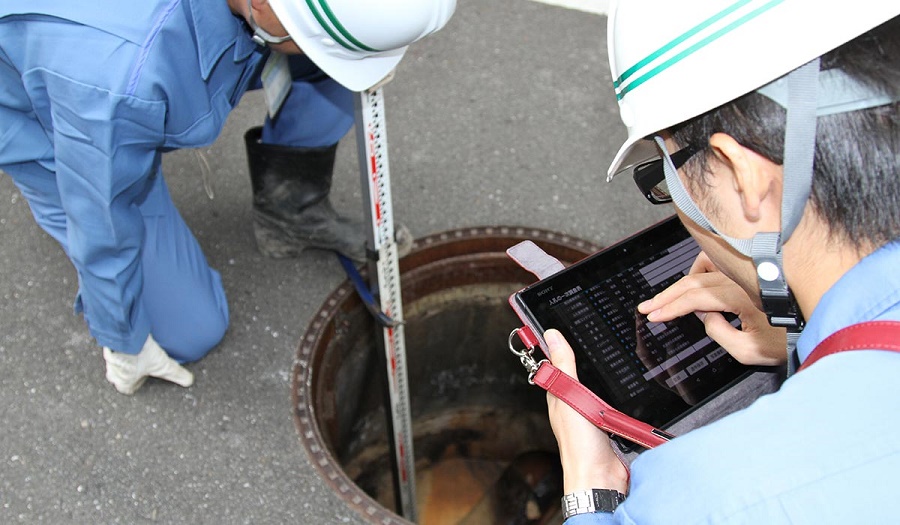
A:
x: 304, y: 411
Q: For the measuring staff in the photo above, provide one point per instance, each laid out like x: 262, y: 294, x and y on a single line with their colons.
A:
x: 359, y: 45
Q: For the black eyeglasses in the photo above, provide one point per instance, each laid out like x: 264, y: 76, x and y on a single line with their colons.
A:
x: 650, y: 176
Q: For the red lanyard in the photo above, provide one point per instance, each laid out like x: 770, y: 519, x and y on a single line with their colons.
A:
x: 577, y: 396
x: 873, y: 335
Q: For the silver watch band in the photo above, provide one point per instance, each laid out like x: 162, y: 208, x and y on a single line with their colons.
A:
x: 593, y: 500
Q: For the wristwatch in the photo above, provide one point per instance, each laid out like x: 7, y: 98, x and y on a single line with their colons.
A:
x: 594, y: 500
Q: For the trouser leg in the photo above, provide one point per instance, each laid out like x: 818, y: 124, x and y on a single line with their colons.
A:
x: 183, y: 296
x: 38, y: 186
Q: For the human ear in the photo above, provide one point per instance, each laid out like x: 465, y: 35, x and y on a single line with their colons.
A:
x: 751, y: 174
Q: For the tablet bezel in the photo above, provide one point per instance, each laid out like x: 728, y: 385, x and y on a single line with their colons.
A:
x: 659, y: 407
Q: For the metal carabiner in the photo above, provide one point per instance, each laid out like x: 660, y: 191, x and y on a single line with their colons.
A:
x: 525, y: 357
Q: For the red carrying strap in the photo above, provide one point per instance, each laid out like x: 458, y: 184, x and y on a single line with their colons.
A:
x: 585, y: 402
x: 596, y: 410
x: 873, y: 335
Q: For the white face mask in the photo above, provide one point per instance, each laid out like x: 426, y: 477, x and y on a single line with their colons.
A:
x: 260, y: 35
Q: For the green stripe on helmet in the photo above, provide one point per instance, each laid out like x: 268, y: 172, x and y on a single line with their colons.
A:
x: 321, y: 11
x: 684, y: 36
x: 690, y: 50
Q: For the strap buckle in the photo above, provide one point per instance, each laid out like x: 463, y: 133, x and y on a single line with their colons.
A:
x: 781, y: 309
x: 525, y: 356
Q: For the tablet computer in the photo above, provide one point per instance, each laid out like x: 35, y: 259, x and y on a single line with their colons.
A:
x: 654, y: 372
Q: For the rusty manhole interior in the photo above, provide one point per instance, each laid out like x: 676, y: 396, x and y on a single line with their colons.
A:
x: 483, y: 446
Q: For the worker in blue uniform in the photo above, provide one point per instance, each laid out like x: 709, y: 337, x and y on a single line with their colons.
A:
x: 773, y: 128
x: 92, y: 94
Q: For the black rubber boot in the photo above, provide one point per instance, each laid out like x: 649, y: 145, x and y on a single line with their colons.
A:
x: 291, y: 209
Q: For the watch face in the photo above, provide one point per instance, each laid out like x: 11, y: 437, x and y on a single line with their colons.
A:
x: 595, y: 500
x: 606, y: 500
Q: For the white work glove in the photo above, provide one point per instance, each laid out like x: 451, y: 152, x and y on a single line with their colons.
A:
x: 127, y: 372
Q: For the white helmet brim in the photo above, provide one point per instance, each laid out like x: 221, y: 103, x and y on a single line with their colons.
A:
x: 360, y: 44
x: 353, y: 71
x: 691, y: 57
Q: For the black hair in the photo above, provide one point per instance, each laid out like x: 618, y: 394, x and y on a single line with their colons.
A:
x: 856, y: 185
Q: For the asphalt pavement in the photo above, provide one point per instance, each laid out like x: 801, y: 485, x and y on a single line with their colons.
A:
x: 506, y: 117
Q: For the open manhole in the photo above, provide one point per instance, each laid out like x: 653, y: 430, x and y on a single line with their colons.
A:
x: 483, y: 446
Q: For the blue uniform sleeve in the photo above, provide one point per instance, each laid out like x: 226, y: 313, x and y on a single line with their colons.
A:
x: 106, y: 156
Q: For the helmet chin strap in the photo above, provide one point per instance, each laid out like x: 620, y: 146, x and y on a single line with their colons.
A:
x: 806, y: 93
x: 777, y: 299
x: 765, y: 248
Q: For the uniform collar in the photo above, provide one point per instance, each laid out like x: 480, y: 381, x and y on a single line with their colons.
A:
x: 868, y: 291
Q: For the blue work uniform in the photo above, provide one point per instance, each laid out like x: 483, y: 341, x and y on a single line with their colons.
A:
x: 825, y: 448
x: 91, y: 95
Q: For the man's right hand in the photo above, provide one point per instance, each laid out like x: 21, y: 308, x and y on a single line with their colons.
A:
x: 707, y: 292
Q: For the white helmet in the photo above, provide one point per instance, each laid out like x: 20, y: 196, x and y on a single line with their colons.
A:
x: 673, y: 61
x: 358, y: 43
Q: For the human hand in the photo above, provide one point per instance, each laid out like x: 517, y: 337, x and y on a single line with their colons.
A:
x: 127, y: 372
x: 683, y: 389
x: 707, y: 292
x: 586, y: 454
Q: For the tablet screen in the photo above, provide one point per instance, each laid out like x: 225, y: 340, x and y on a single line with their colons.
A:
x: 655, y: 372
